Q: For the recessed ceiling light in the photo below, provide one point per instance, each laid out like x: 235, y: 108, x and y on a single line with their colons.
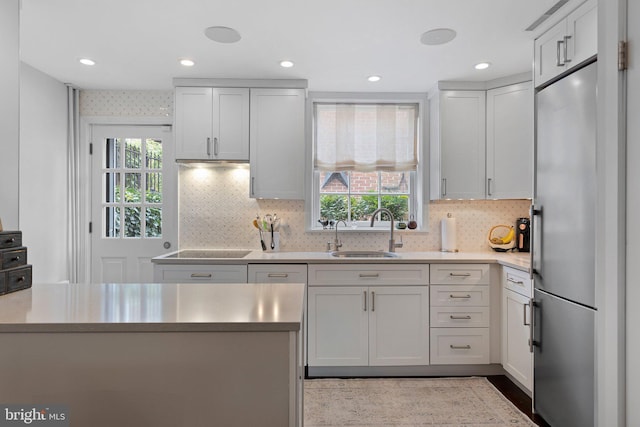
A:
x: 286, y: 64
x: 438, y: 36
x: 222, y: 34
x: 187, y: 63
x: 482, y: 65
x: 374, y: 78
x: 87, y: 61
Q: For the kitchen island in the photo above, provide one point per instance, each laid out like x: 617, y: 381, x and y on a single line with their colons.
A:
x: 156, y: 354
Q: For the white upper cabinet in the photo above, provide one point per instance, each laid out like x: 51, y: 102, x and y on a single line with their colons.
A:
x: 510, y: 142
x: 458, y: 144
x: 566, y: 44
x: 212, y: 123
x: 277, y: 143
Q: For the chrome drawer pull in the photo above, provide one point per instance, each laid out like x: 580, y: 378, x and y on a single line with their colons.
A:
x: 459, y: 296
x: 459, y: 274
x: 373, y: 301
x: 278, y: 275
x: 460, y: 317
x: 369, y: 275
x: 200, y: 275
x: 460, y: 347
x: 515, y: 282
x: 365, y: 300
x: 15, y: 258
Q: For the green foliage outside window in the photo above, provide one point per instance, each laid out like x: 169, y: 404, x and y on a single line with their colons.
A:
x: 333, y: 206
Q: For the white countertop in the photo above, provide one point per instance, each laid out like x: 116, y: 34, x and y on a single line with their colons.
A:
x: 515, y: 259
x: 153, y: 308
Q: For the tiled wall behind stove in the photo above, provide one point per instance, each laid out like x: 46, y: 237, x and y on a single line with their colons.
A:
x: 216, y: 212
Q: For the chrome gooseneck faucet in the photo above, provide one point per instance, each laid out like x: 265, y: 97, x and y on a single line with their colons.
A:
x: 392, y: 243
x: 336, y: 242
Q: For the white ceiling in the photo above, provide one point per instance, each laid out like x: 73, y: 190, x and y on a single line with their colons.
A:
x: 335, y: 44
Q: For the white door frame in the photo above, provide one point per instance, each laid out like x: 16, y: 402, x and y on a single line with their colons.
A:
x: 84, y: 175
x: 611, y: 379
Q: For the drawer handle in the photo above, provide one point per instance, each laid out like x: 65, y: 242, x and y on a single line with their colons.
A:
x: 459, y: 296
x: 459, y: 274
x: 11, y: 240
x: 200, y: 275
x: 15, y: 258
x: 460, y: 317
x: 278, y: 275
x: 365, y: 300
x: 460, y: 347
x: 515, y: 282
x: 369, y: 275
x: 21, y: 279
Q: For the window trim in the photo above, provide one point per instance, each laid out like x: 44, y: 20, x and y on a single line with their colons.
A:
x: 420, y: 195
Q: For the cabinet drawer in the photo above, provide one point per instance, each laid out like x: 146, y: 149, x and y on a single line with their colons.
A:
x: 456, y: 296
x: 13, y: 258
x: 368, y: 274
x: 459, y: 317
x: 517, y: 281
x: 204, y: 274
x: 278, y: 273
x: 15, y: 279
x: 10, y: 239
x: 459, y: 274
x: 459, y: 346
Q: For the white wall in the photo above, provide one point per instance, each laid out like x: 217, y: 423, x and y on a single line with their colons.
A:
x: 43, y: 173
x: 9, y: 110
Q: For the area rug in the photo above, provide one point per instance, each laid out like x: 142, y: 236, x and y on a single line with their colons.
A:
x: 447, y: 402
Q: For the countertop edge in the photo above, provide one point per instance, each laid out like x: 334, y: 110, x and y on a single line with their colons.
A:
x: 148, y: 327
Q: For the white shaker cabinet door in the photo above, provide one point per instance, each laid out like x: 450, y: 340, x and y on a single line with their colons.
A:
x: 277, y: 143
x: 510, y: 142
x: 517, y: 360
x: 230, y: 124
x: 338, y: 326
x: 193, y: 123
x: 399, y: 325
x: 462, y: 144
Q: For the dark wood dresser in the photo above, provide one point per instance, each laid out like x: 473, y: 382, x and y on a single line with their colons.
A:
x: 15, y: 273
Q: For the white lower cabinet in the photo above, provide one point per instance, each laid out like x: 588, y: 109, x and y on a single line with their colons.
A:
x: 517, y: 360
x: 378, y: 323
x: 460, y: 314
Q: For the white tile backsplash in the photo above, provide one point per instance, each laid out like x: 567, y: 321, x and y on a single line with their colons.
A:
x: 216, y: 212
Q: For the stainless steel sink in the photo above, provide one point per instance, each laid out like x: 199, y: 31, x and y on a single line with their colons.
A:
x: 363, y: 254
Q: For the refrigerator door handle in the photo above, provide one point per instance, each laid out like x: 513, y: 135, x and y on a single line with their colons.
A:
x: 533, y: 213
x: 532, y: 343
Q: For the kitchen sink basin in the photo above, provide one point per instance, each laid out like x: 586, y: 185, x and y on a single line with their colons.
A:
x: 363, y: 254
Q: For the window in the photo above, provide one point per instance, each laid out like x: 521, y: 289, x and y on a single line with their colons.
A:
x: 365, y: 156
x: 132, y: 188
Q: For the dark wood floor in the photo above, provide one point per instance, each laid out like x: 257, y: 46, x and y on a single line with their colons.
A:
x: 516, y: 396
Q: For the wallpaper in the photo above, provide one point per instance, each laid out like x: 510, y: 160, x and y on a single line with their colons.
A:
x: 126, y: 103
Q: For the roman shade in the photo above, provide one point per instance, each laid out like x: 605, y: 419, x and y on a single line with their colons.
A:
x: 365, y: 137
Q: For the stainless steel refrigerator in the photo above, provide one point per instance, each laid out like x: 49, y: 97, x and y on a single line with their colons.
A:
x: 563, y: 253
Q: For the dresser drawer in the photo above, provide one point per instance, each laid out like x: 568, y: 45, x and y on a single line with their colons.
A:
x: 10, y: 239
x: 459, y: 296
x: 459, y: 346
x: 16, y: 278
x: 459, y: 317
x: 368, y: 274
x: 518, y: 281
x: 459, y: 274
x: 10, y: 258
